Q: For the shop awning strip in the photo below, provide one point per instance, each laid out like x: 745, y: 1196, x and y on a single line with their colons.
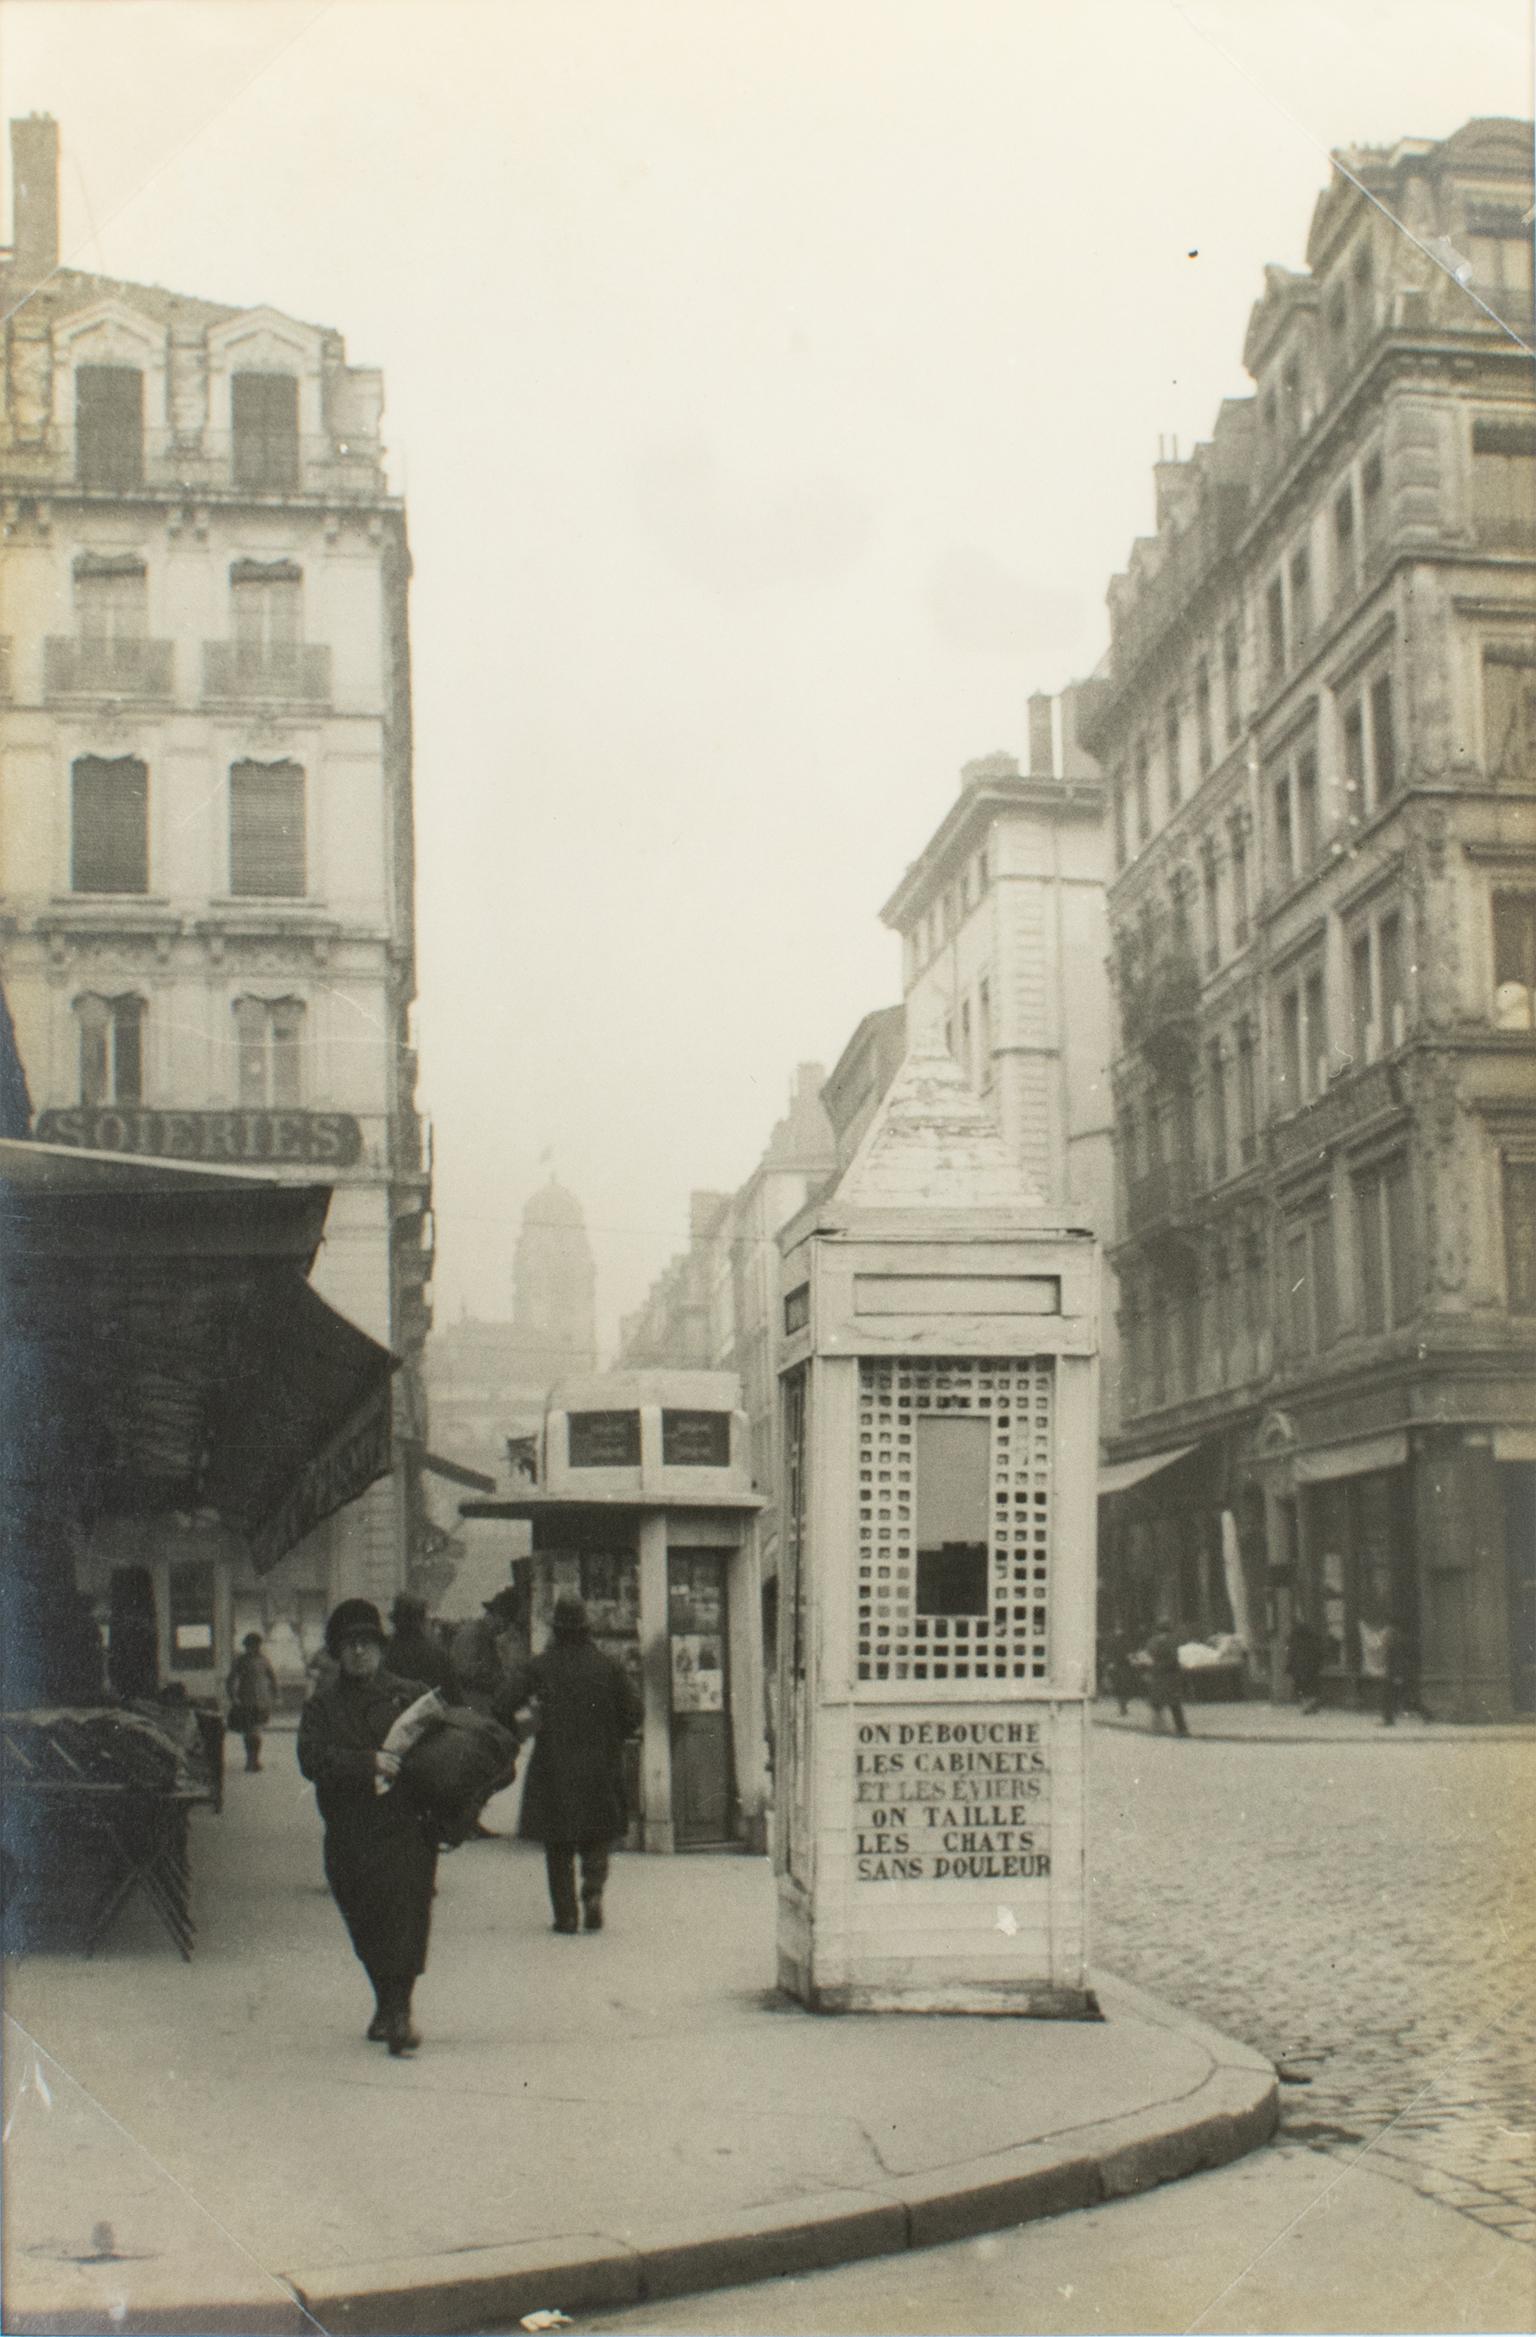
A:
x: 456, y: 1473
x: 1359, y: 1458
x: 1119, y: 1476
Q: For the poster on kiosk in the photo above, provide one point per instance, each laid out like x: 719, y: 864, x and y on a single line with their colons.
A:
x: 940, y: 1426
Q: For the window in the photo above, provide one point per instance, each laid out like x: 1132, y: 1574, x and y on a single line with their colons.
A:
x: 266, y: 615
x: 1383, y: 739
x: 1372, y: 514
x: 1290, y: 1050
x: 1314, y: 1008
x: 109, y: 825
x: 1352, y: 731
x: 264, y: 414
x: 1514, y: 960
x: 1311, y: 1310
x: 603, y: 1440
x: 696, y: 1440
x: 1274, y: 628
x: 1504, y: 484
x: 983, y: 872
x: 1345, y: 571
x: 953, y: 1467
x: 1222, y: 1313
x: 1122, y: 851
x: 110, y: 598
x: 1216, y: 1097
x: 1231, y: 678
x: 109, y: 425
x: 984, y: 1031
x: 1362, y: 999
x: 1172, y: 746
x: 266, y: 830
x: 1365, y: 294
x: 1301, y: 598
x: 1239, y: 840
x: 1290, y: 398
x: 269, y: 1036
x: 1205, y: 746
x: 1143, y: 793
x: 1385, y: 1245
x: 1255, y: 1312
x: 1509, y: 717
x: 1247, y: 1090
x: 1211, y: 900
x: 1285, y: 834
x: 966, y: 1058
x: 111, y: 1049
x: 1519, y: 1181
x: 1389, y: 980
x: 1308, y: 836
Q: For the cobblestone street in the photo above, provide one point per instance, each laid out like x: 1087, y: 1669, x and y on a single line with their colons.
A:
x: 1362, y: 1914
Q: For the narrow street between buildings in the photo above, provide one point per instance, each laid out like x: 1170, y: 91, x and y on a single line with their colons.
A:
x: 1357, y: 1907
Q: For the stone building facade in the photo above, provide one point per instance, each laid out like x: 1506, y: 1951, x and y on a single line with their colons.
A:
x: 206, y: 842
x: 1005, y: 946
x: 1319, y: 727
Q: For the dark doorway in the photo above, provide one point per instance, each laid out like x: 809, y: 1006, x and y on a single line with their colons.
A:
x: 703, y: 1786
x: 1519, y: 1479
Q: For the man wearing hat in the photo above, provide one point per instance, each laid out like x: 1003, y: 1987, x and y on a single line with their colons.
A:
x: 574, y: 1800
x: 252, y: 1692
x: 380, y: 1860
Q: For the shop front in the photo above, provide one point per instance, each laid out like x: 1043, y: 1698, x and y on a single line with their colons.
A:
x: 643, y: 1508
x: 178, y: 1401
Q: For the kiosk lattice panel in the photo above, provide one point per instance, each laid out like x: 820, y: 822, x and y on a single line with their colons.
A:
x: 1009, y: 1640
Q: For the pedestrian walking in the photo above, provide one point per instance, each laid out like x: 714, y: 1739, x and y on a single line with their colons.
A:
x: 1305, y: 1653
x: 380, y: 1852
x: 1165, y: 1679
x: 411, y: 1651
x: 252, y: 1691
x: 574, y: 1800
x: 1401, y: 1690
x: 1120, y: 1671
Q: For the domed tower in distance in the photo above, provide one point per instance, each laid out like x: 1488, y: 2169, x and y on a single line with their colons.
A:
x: 554, y: 1290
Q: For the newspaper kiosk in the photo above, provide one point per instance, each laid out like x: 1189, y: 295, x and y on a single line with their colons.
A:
x: 939, y: 1393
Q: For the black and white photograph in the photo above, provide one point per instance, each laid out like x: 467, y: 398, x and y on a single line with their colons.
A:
x: 767, y: 1167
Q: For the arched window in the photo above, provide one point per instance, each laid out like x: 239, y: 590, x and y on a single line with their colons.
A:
x: 269, y: 1041
x: 111, y: 1049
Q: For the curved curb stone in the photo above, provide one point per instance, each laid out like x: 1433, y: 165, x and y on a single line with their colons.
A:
x: 1235, y: 2109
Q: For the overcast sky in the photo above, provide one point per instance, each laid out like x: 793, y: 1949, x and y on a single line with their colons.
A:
x: 774, y: 384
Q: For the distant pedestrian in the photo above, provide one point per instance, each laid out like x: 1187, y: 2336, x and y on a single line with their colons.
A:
x: 574, y: 1801
x: 411, y: 1651
x: 1304, y: 1656
x: 1120, y: 1671
x: 380, y: 1853
x: 479, y: 1653
x: 1401, y: 1690
x: 252, y: 1691
x: 1165, y: 1679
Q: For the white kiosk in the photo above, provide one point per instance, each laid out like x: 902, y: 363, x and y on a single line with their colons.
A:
x: 940, y: 1415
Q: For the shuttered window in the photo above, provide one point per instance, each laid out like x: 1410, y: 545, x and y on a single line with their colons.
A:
x: 266, y: 830
x: 1520, y: 1233
x: 109, y: 425
x: 109, y: 825
x: 264, y: 412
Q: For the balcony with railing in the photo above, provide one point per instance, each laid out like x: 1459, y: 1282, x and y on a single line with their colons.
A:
x: 79, y: 665
x: 211, y: 464
x: 285, y: 672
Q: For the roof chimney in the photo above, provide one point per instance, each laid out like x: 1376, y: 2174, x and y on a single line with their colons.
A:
x: 1042, y: 749
x: 35, y: 197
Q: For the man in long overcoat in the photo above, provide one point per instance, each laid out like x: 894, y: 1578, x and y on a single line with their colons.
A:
x: 380, y: 1857
x: 574, y: 1800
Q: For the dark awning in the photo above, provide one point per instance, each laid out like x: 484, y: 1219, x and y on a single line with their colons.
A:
x: 164, y: 1349
x: 1120, y: 1476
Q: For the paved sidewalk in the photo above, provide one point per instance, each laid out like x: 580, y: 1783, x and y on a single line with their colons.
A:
x: 1257, y: 1723
x: 591, y: 2122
